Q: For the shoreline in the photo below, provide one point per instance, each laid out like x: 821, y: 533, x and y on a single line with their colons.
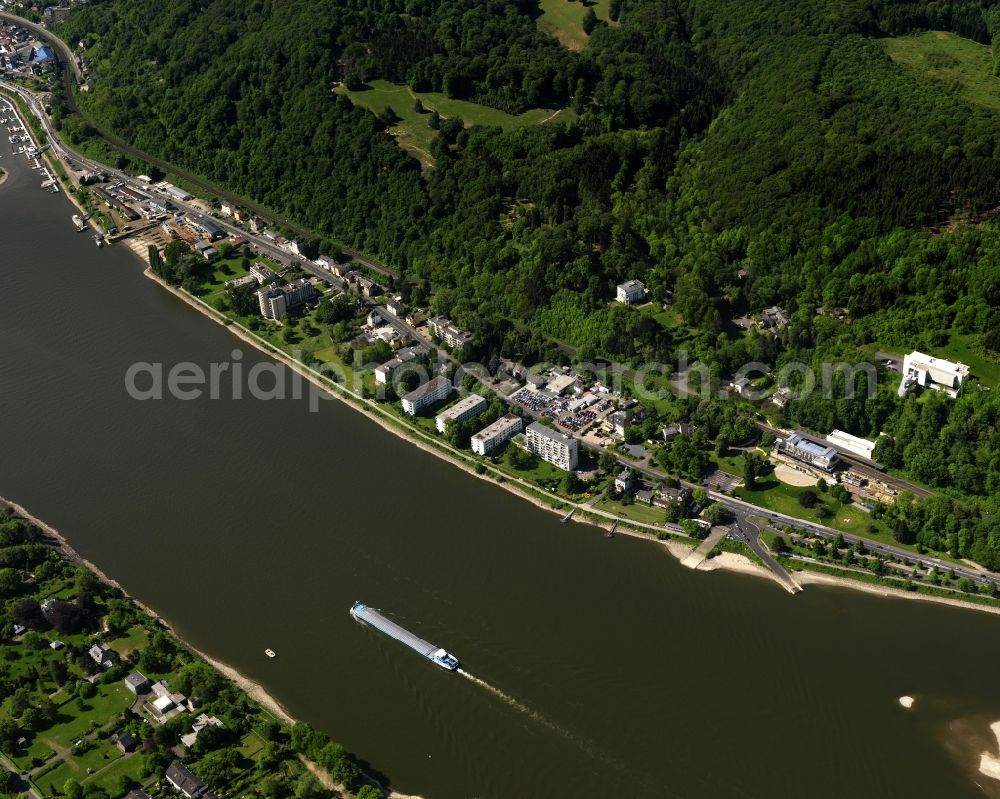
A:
x: 254, y: 689
x: 724, y: 561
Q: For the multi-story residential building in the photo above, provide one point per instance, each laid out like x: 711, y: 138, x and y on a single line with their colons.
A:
x: 491, y: 437
x: 551, y: 446
x: 631, y: 292
x: 385, y: 373
x: 465, y: 408
x: 277, y: 301
x: 426, y: 395
x: 451, y: 335
x: 263, y: 273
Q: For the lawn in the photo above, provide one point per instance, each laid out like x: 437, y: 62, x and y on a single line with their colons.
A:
x: 123, y: 766
x: 961, y: 65
x: 109, y: 701
x: 102, y: 755
x: 637, y: 511
x: 563, y: 19
x: 413, y: 132
x: 962, y: 348
x: 134, y: 638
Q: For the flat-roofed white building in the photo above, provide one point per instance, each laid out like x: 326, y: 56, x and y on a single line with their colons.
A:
x: 808, y: 450
x: 853, y: 444
x: 423, y: 396
x: 552, y: 446
x: 929, y: 372
x: 465, y: 408
x: 631, y: 292
x: 491, y: 437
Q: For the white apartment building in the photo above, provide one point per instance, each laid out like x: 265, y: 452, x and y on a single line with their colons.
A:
x: 551, y: 446
x: 465, y: 408
x: 276, y: 301
x: 423, y: 396
x: 802, y: 448
x: 489, y: 438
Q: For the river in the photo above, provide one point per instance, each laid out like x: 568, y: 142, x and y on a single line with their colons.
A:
x: 607, y: 669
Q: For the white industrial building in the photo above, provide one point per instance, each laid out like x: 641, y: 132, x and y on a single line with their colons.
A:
x: 551, y: 446
x: 853, y: 444
x: 805, y: 449
x: 465, y: 408
x: 926, y: 371
x: 491, y: 437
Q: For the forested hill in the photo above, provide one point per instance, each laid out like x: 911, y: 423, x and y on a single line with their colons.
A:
x: 734, y: 154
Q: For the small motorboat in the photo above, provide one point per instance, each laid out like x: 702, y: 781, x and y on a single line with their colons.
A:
x: 270, y: 653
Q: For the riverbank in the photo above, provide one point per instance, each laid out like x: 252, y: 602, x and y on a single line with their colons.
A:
x: 679, y: 549
x: 253, y: 689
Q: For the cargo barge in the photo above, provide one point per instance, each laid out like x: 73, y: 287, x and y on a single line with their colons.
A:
x: 433, y: 653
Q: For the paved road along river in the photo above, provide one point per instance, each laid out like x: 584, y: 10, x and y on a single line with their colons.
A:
x: 253, y: 524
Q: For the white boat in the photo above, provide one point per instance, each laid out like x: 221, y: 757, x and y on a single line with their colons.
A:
x: 270, y: 653
x: 78, y: 221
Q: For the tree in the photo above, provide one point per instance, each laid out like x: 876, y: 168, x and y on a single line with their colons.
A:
x: 717, y: 513
x: 590, y: 21
x: 308, y: 787
x: 369, y: 792
x: 808, y: 499
x: 72, y: 789
x: 28, y: 613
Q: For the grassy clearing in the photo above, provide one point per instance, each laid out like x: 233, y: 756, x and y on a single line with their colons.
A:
x: 636, y: 511
x: 958, y: 65
x: 78, y: 768
x: 413, y: 132
x: 563, y: 19
x: 964, y: 349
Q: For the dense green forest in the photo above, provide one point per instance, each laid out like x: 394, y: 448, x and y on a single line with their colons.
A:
x: 731, y: 155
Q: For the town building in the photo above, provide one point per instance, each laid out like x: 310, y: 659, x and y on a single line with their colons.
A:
x: 618, y: 422
x: 206, y: 250
x: 201, y: 722
x: 630, y: 292
x: 426, y: 395
x: 367, y: 286
x: 853, y: 444
x: 551, y: 446
x: 263, y: 273
x: 126, y: 742
x: 237, y: 282
x: 187, y: 782
x: 103, y: 655
x: 781, y: 398
x: 624, y: 481
x: 774, y: 318
x: 466, y: 408
x: 453, y: 336
x: 277, y: 301
x: 808, y: 450
x: 491, y: 437
x: 920, y: 369
x: 671, y: 431
x: 386, y: 373
x: 397, y: 308
x: 206, y: 227
x: 740, y: 386
x: 137, y: 683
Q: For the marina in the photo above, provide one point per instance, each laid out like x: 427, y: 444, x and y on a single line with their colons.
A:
x: 433, y: 653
